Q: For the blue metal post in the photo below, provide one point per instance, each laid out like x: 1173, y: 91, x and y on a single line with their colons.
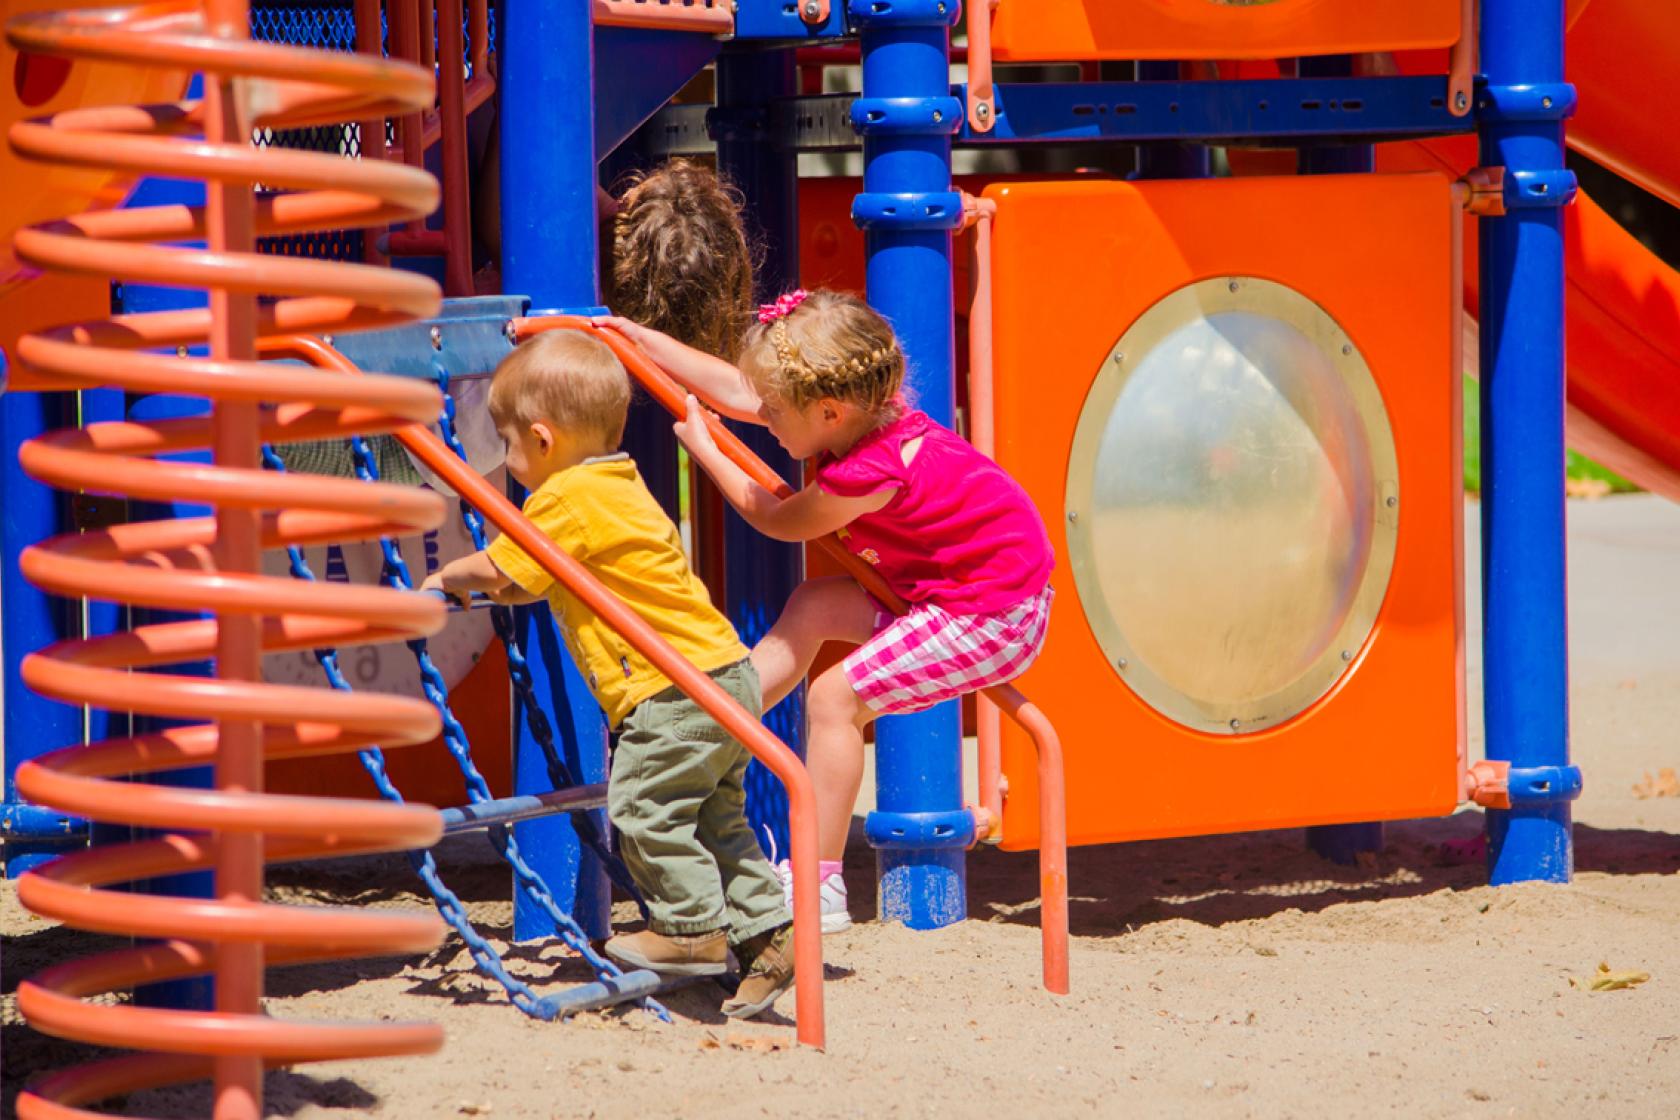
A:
x: 1339, y: 843
x: 30, y: 619
x: 759, y: 573
x: 549, y: 247
x: 908, y: 210
x: 1524, y: 632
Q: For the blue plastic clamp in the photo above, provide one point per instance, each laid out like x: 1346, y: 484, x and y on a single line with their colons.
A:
x: 1542, y: 101
x: 907, y: 116
x: 911, y: 210
x: 1543, y: 785
x: 954, y: 828
x: 904, y: 13
x: 1552, y: 187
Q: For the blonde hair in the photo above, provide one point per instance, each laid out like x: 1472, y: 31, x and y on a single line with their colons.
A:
x: 831, y: 345
x: 565, y: 378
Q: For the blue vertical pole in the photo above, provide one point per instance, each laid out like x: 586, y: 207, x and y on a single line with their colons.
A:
x: 31, y: 725
x: 1339, y: 843
x: 759, y: 573
x: 907, y: 210
x: 1525, y: 644
x: 549, y: 247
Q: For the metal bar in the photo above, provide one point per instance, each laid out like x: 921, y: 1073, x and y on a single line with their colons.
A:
x: 908, y: 210
x: 1524, y: 632
x: 404, y: 35
x: 1213, y: 111
x: 526, y: 807
x: 478, y: 30
x: 546, y: 61
x: 457, y: 200
x: 762, y: 573
x: 370, y: 41
x: 30, y: 725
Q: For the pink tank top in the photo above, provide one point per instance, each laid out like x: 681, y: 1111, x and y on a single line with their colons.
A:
x: 960, y: 533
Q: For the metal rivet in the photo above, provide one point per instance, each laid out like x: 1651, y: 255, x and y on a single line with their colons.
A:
x: 510, y: 332
x: 1461, y: 100
x: 1233, y: 285
x: 1121, y: 663
x: 1072, y: 516
x: 327, y: 338
x: 1119, y: 357
x: 1392, y: 501
x: 1347, y: 348
x: 983, y: 110
x: 1236, y: 723
x: 1347, y: 655
x: 938, y: 116
x: 180, y: 351
x: 437, y: 338
x: 812, y: 9
x: 1545, y: 103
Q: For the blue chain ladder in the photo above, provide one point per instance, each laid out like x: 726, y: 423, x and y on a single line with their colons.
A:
x: 449, y: 904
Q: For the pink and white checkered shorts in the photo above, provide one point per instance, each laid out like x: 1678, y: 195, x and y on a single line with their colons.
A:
x: 929, y: 655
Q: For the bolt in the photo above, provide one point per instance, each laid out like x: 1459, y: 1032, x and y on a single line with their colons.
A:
x: 1236, y: 723
x: 437, y: 338
x: 983, y: 111
x: 1347, y: 348
x: 510, y: 332
x: 1072, y: 515
x: 1119, y: 357
x: 812, y: 10
x: 938, y: 116
x: 180, y: 351
x: 1540, y: 188
x: 1233, y: 285
x: 1545, y: 103
x: 1461, y: 100
x: 1121, y: 663
x: 1347, y: 655
x: 1392, y: 501
x: 327, y: 338
x: 941, y: 9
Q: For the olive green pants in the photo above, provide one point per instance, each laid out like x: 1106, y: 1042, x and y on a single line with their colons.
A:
x: 676, y: 798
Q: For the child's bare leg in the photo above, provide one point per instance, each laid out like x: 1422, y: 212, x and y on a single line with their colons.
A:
x: 819, y: 610
x: 834, y: 756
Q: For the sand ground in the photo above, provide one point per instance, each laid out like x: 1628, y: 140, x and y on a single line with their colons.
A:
x: 1234, y: 976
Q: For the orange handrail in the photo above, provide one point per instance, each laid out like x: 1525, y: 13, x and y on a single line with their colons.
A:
x: 1052, y: 849
x: 495, y: 506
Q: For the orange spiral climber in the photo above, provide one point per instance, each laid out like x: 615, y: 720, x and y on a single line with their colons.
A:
x: 211, y: 564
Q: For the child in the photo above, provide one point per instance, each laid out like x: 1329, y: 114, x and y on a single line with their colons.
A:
x: 675, y: 794
x: 948, y: 530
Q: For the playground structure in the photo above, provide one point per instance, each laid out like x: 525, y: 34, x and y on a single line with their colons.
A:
x: 1340, y: 381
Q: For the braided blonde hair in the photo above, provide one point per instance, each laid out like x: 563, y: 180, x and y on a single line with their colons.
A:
x: 833, y: 345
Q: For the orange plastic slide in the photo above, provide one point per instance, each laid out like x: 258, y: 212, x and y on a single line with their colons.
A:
x: 1622, y: 315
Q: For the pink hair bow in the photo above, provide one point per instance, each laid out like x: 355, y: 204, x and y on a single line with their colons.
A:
x: 783, y: 307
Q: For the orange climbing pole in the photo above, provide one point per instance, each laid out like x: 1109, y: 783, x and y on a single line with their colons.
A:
x: 211, y: 564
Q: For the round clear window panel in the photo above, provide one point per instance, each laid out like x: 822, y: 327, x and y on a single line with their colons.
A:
x: 1231, y: 524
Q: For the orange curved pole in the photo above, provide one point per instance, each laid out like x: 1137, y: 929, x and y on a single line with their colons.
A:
x: 213, y: 563
x: 768, y: 749
x: 1052, y: 852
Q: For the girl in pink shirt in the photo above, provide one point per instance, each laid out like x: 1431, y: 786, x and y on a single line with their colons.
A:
x: 953, y: 535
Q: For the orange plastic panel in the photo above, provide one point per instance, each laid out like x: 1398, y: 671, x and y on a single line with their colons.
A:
x: 1042, y: 30
x: 1074, y: 265
x: 38, y: 86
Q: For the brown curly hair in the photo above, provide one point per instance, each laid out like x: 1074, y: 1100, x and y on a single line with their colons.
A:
x: 832, y: 345
x: 681, y: 261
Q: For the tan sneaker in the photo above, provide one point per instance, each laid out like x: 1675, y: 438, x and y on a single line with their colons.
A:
x: 768, y: 976
x: 700, y: 954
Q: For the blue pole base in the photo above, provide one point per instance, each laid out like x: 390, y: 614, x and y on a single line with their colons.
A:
x: 1530, y: 845
x: 1342, y: 843
x: 923, y: 888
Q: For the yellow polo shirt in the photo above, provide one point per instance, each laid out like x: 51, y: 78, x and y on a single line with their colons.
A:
x: 601, y: 513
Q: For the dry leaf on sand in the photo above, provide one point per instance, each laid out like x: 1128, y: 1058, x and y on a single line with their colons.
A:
x: 1606, y: 980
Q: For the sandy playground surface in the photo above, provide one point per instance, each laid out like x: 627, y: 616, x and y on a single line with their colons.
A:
x: 1234, y: 976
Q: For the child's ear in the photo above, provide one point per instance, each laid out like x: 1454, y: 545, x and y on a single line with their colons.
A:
x: 830, y: 410
x: 544, y: 437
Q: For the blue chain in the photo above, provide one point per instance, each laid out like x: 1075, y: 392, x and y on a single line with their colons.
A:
x: 448, y: 904
x: 519, y: 672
